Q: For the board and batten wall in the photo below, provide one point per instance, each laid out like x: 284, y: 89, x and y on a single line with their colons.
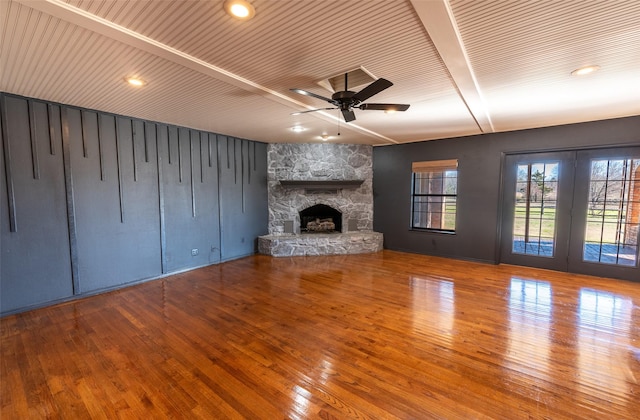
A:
x: 479, y: 182
x: 93, y: 201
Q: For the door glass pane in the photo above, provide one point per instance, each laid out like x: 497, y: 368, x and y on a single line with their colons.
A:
x: 534, y: 226
x: 613, y: 212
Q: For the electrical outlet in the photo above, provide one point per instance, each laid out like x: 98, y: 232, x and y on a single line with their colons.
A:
x: 194, y: 252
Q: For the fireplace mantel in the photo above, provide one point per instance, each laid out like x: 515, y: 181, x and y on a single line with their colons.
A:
x: 331, y: 184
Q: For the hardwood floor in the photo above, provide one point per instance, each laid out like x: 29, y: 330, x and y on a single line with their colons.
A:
x: 376, y: 336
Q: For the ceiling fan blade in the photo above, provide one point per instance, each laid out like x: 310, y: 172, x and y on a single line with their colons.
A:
x: 311, y: 110
x: 348, y: 115
x: 307, y: 93
x: 385, y: 107
x: 374, y: 88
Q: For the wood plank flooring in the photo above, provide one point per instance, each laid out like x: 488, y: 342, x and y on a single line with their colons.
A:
x: 377, y: 336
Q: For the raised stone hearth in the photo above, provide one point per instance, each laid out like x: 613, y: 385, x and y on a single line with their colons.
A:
x: 303, y: 176
x: 320, y: 244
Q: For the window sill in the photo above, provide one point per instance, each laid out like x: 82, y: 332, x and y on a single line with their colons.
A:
x: 445, y: 232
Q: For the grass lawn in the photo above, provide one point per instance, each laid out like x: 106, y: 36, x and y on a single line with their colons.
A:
x: 600, y: 227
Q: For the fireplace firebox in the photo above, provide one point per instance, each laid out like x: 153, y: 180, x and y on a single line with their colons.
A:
x: 320, y: 218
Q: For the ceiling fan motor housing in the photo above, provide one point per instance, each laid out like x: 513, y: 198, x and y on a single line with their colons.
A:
x: 345, y: 99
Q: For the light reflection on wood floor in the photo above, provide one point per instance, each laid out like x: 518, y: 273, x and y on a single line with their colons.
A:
x: 385, y: 335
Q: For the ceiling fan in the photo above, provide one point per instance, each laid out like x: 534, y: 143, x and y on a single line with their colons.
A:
x: 347, y: 100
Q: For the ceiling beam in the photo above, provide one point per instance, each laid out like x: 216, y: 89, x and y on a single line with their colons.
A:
x: 437, y: 18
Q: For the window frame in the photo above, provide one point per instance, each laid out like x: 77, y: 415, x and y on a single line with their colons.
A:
x: 435, y: 166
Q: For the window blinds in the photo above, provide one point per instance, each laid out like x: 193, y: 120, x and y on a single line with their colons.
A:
x: 435, y: 165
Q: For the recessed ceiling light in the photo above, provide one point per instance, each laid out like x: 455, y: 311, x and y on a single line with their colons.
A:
x: 297, y: 128
x: 583, y: 71
x: 239, y: 9
x: 135, y: 81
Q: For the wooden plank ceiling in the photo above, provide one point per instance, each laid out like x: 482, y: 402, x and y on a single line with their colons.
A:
x: 466, y: 67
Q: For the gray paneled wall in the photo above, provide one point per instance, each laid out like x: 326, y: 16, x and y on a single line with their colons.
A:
x: 189, y: 162
x: 115, y: 198
x: 36, y: 264
x: 93, y: 201
x: 243, y: 195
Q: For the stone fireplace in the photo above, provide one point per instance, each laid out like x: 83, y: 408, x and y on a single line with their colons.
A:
x: 325, y: 184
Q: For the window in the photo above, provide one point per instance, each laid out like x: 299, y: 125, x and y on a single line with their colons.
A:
x: 434, y: 194
x: 613, y: 212
x: 534, y: 218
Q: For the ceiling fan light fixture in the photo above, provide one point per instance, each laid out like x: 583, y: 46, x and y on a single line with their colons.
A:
x: 583, y: 71
x: 239, y: 9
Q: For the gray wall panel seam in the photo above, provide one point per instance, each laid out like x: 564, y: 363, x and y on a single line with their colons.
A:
x: 33, y: 140
x: 52, y: 131
x: 146, y: 144
x: 193, y: 187
x: 134, y: 134
x: 201, y: 156
x: 217, y: 185
x: 209, y: 145
x: 255, y: 168
x: 169, y: 144
x: 163, y: 233
x: 242, y: 142
x: 179, y: 157
x: 11, y: 198
x: 220, y: 198
x: 249, y: 163
x: 118, y: 165
x: 100, y: 151
x: 71, y: 210
x: 83, y: 130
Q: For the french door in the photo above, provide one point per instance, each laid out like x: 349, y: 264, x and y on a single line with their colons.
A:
x: 536, y: 209
x: 575, y: 211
